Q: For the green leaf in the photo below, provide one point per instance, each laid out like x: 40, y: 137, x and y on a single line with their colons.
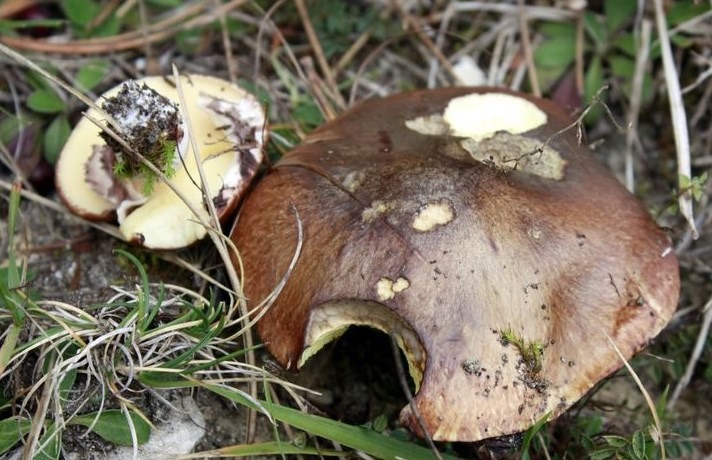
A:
x: 681, y: 41
x: 590, y: 425
x: 108, y: 28
x: 259, y: 92
x: 307, y: 114
x: 380, y: 423
x: 359, y: 438
x: 49, y: 445
x: 45, y: 101
x: 6, y: 25
x: 12, y: 431
x: 66, y: 384
x: 113, y: 426
x: 593, y: 80
x: 621, y: 66
x: 269, y: 448
x: 165, y: 3
x: 616, y: 441
x: 91, y: 75
x: 618, y: 12
x: 7, y: 349
x: 55, y: 137
x: 593, y: 24
x: 556, y: 52
x: 638, y: 445
x: 80, y: 12
x: 603, y: 454
x: 529, y: 436
x: 626, y: 43
x: 558, y: 30
x: 684, y: 10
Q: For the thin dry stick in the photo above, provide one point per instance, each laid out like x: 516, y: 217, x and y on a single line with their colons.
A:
x: 695, y: 356
x: 29, y: 450
x: 152, y: 66
x: 32, y: 196
x: 352, y: 51
x: 317, y: 89
x: 527, y: 46
x: 227, y: 46
x: 222, y: 250
x: 679, y: 118
x: 121, y: 42
x: 104, y: 14
x: 496, y: 57
x: 362, y: 68
x: 550, y: 13
x: 641, y: 60
x: 7, y: 158
x: 434, y: 71
x: 129, y: 40
x: 646, y: 395
x: 416, y: 27
x: 12, y: 7
x: 580, y: 44
x: 319, y: 53
x: 406, y: 389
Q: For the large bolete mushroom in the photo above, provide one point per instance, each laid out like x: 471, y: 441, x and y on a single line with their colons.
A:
x: 100, y: 179
x: 474, y: 228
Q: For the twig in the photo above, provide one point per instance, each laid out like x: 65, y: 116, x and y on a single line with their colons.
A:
x: 579, y: 63
x: 352, y: 51
x: 29, y: 451
x: 129, y: 40
x: 406, y: 389
x: 362, y: 68
x: 679, y: 118
x: 641, y: 60
x: 110, y: 230
x: 412, y: 23
x: 549, y: 13
x: 695, y: 356
x: 646, y: 395
x: 222, y: 249
x: 319, y: 52
x: 227, y: 46
x: 152, y: 66
x: 527, y: 46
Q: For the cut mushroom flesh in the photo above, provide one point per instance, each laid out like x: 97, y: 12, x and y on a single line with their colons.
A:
x: 227, y: 126
x: 506, y: 261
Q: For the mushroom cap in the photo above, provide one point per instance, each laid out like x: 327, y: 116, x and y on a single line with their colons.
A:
x: 501, y: 255
x: 217, y: 111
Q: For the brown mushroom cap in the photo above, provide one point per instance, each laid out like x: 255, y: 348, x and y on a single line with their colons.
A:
x: 501, y: 258
x: 220, y: 114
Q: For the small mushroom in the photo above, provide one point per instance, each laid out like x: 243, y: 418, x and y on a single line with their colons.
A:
x: 100, y: 179
x: 472, y: 226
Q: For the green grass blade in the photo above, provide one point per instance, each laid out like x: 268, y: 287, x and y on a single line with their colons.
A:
x: 49, y: 446
x: 113, y: 426
x: 145, y: 287
x: 264, y: 448
x: 12, y: 430
x: 8, y: 347
x: 355, y: 437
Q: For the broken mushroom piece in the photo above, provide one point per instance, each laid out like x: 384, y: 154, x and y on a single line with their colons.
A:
x: 470, y: 225
x: 103, y: 179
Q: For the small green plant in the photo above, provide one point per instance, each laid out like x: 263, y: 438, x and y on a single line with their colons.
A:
x: 531, y: 352
x: 610, y: 48
x: 644, y: 443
